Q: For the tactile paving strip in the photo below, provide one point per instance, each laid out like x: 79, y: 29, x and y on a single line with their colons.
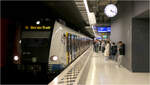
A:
x: 71, y: 75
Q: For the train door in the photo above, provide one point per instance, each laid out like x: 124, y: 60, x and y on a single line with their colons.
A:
x: 68, y: 48
x: 73, y: 47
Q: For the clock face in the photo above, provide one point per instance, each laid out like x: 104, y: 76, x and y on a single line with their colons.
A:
x: 110, y: 10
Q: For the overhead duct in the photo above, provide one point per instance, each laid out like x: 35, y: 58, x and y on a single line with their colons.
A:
x: 89, y: 17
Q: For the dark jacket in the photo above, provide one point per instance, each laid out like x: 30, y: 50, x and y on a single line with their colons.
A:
x: 113, y: 50
x: 122, y: 49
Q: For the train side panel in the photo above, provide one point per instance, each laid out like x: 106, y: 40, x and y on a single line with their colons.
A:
x: 59, y: 46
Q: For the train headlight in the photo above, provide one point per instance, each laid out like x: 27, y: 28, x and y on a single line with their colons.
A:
x: 16, y: 58
x: 37, y: 22
x: 54, y: 58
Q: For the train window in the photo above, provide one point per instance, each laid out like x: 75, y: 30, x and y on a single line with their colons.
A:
x: 35, y: 42
x: 75, y: 46
x: 72, y: 47
x: 69, y: 47
x: 37, y: 48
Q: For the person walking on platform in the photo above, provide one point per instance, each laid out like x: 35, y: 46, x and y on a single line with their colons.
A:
x: 121, y: 50
x: 94, y: 45
x: 107, y: 50
x: 103, y: 46
x: 97, y: 46
x: 100, y: 45
x: 113, y: 51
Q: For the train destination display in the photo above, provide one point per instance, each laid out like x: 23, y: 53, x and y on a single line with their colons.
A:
x: 37, y: 27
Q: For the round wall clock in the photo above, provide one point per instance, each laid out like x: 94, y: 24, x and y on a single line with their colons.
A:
x: 110, y: 10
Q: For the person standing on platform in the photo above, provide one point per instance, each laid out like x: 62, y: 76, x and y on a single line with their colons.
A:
x: 100, y: 45
x: 103, y: 46
x: 94, y: 43
x: 121, y: 50
x: 97, y: 46
x: 113, y: 51
x: 107, y: 50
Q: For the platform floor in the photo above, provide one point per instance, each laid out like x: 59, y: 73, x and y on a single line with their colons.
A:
x: 104, y: 72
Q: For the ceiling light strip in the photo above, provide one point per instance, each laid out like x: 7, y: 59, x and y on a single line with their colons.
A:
x: 86, y: 6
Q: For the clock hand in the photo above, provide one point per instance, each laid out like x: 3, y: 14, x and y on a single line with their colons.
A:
x: 112, y: 11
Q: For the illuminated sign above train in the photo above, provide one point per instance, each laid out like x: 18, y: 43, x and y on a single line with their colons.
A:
x: 37, y: 27
x: 103, y: 29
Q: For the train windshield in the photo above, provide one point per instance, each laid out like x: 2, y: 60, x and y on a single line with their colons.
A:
x: 35, y: 42
x: 35, y: 46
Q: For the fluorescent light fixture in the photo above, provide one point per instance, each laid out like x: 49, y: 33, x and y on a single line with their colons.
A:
x: 93, y: 30
x: 86, y: 6
x: 88, y: 13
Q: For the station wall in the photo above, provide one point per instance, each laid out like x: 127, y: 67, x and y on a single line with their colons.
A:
x: 122, y: 27
x: 140, y: 31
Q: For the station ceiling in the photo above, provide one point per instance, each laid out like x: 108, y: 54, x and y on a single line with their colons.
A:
x: 73, y: 12
x: 30, y: 11
x: 97, y: 6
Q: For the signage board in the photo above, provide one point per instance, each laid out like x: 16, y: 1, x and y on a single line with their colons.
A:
x: 37, y: 28
x: 104, y: 36
x: 103, y: 29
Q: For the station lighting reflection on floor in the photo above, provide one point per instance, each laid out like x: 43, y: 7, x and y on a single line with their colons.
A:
x: 107, y: 72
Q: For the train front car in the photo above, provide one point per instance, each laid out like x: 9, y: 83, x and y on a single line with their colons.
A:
x: 57, y: 58
x: 35, y: 52
x: 46, y: 51
x: 35, y: 47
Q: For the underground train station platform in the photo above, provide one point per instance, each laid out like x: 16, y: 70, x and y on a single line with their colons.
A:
x: 96, y: 70
x: 75, y: 42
